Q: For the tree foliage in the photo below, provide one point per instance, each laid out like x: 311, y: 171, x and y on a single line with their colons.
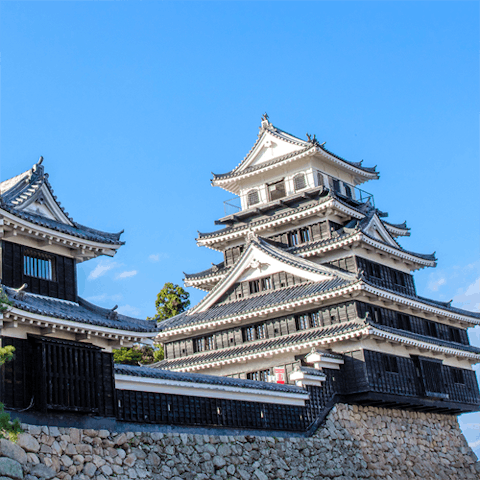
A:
x: 7, y: 353
x: 138, y: 354
x: 171, y: 300
x: 4, y: 301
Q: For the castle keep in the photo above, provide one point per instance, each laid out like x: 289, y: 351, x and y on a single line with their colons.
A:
x: 316, y: 290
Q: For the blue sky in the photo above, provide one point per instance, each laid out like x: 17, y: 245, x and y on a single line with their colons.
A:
x: 133, y: 104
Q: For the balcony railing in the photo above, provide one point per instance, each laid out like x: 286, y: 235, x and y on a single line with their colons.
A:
x: 234, y: 205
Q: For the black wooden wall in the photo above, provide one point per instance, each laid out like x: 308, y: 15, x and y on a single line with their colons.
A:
x: 64, y: 286
x: 162, y: 408
x: 50, y: 374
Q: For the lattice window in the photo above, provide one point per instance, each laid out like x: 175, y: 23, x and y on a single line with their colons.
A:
x: 253, y: 198
x: 261, y: 331
x: 203, y: 344
x: 254, y: 286
x: 299, y: 182
x: 39, y: 265
x: 260, y: 376
x: 303, y: 322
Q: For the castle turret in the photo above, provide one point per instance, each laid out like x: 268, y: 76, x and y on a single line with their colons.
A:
x: 315, y: 289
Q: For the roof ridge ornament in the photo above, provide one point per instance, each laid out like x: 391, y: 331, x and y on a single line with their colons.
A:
x: 38, y: 167
x: 265, y: 124
x: 251, y: 236
x: 313, y: 140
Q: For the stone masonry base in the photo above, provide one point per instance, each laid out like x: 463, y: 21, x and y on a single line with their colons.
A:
x: 354, y: 443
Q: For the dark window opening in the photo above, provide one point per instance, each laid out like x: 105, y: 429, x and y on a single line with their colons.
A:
x: 375, y: 314
x: 260, y: 376
x: 39, y: 265
x: 399, y: 278
x: 454, y: 334
x: 293, y: 238
x: 432, y: 329
x: 248, y: 334
x: 261, y: 331
x: 303, y: 322
x: 305, y: 234
x: 403, y: 322
x: 348, y: 191
x: 203, y: 344
x: 315, y: 320
x: 373, y: 269
x: 253, y: 197
x: 266, y: 283
x: 276, y: 190
x: 254, y: 286
x: 299, y: 182
x: 458, y: 377
x: 390, y: 363
x: 336, y: 186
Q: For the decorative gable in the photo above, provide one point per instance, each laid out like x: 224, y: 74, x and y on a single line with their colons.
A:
x: 377, y: 230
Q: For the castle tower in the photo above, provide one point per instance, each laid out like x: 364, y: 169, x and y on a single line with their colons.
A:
x: 63, y: 344
x: 315, y: 289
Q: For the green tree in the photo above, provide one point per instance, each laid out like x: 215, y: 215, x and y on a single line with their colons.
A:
x: 138, y: 354
x: 7, y: 353
x: 4, y: 301
x: 171, y: 300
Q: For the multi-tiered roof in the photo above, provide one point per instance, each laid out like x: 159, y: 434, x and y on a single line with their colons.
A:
x: 41, y: 245
x: 311, y: 263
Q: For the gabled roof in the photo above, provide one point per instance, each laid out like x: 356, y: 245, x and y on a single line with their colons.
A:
x: 258, y: 252
x: 257, y: 302
x: 78, y: 312
x: 312, y: 146
x: 30, y: 196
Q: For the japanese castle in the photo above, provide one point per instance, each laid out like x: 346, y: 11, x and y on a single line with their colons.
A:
x: 315, y: 290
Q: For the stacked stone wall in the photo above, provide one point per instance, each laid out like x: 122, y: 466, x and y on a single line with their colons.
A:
x: 354, y: 443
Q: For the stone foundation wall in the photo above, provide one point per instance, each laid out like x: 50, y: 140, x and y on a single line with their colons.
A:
x: 354, y: 443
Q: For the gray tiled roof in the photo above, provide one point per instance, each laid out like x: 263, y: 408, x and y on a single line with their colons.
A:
x: 263, y: 345
x: 292, y: 139
x: 284, y: 211
x: 257, y: 302
x: 425, y: 338
x: 434, y: 303
x: 15, y: 191
x: 218, y: 269
x: 82, y: 312
x: 154, y: 371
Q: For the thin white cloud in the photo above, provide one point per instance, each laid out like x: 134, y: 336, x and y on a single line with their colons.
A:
x: 129, y: 311
x: 435, y: 284
x: 105, y: 298
x: 156, y: 257
x: 469, y: 298
x: 100, y: 270
x: 126, y: 274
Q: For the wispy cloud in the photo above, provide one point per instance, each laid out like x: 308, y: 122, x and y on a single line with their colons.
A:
x: 129, y: 311
x: 101, y: 269
x: 105, y: 298
x: 469, y: 298
x: 435, y: 284
x: 126, y: 274
x: 156, y: 257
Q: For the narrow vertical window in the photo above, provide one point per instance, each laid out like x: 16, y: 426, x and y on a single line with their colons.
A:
x: 299, y: 182
x: 38, y: 265
x: 253, y: 197
x: 348, y: 190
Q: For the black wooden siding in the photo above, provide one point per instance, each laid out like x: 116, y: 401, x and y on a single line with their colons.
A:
x: 161, y: 408
x: 394, y: 319
x: 378, y: 274
x: 58, y: 375
x: 277, y: 280
x: 64, y: 286
x: 276, y: 327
